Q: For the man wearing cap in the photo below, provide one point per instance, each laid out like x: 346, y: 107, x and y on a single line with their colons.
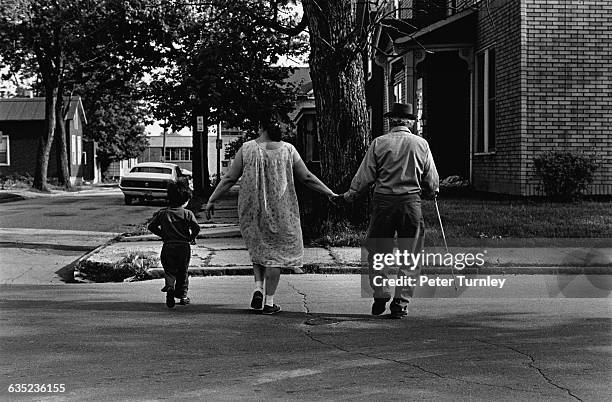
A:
x: 402, y: 169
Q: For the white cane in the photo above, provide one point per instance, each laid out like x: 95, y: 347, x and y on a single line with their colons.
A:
x: 444, y: 238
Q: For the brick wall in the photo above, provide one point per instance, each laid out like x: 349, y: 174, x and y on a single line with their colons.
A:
x: 499, y: 28
x: 567, y: 84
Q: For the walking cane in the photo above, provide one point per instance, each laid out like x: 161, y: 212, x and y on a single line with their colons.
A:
x: 444, y: 238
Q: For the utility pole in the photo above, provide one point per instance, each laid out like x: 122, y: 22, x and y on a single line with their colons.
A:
x: 219, y: 146
x: 163, y: 155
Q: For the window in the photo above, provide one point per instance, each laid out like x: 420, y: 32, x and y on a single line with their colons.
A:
x: 485, y: 102
x: 79, y: 150
x: 396, y: 8
x: 5, y: 150
x: 84, y: 158
x: 76, y: 121
x: 452, y: 7
x: 178, y: 154
x: 151, y: 169
x: 397, y: 92
x: 73, y: 149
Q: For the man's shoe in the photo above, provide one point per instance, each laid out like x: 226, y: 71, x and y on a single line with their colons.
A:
x: 184, y: 301
x: 269, y: 310
x: 170, y: 298
x: 257, y: 300
x: 398, y: 315
x: 379, y: 306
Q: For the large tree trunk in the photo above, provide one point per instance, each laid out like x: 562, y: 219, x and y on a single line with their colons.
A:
x: 46, y: 139
x: 336, y: 70
x: 63, y: 172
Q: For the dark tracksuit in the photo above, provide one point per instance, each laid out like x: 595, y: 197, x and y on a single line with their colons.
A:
x: 177, y: 227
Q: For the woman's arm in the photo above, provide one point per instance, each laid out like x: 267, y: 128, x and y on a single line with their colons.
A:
x: 228, y: 180
x: 311, y: 181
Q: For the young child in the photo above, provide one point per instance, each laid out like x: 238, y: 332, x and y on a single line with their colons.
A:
x: 178, y: 229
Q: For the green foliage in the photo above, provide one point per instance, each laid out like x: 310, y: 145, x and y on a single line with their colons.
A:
x: 223, y: 66
x: 564, y: 174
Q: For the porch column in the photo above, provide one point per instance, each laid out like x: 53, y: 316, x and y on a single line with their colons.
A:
x: 409, y: 68
x: 467, y: 54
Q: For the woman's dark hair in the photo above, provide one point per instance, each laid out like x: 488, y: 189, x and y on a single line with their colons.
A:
x: 178, y: 192
x: 273, y: 128
x: 271, y: 123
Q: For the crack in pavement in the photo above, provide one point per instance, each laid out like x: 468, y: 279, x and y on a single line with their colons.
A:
x: 304, y: 301
x: 533, y: 365
x: 308, y: 334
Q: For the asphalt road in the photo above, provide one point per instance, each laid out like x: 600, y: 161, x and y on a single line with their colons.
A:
x: 120, y: 342
x: 41, y: 236
x: 101, y: 212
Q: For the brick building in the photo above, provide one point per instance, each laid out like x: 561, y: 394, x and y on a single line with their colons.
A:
x: 496, y: 83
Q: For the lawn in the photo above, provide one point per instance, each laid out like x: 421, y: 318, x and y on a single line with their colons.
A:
x: 499, y: 219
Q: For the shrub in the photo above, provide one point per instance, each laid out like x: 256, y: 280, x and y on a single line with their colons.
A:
x: 565, y: 174
x: 133, y: 267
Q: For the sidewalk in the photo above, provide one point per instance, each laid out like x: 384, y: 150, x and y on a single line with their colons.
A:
x: 19, y: 194
x: 221, y: 251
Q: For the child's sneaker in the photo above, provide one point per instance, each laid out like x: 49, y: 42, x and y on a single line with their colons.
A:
x: 184, y: 301
x: 170, y: 297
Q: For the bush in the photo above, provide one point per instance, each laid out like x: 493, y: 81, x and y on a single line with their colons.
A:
x: 16, y: 180
x: 133, y: 267
x: 564, y: 174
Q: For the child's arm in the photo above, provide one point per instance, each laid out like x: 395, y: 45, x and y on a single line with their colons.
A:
x: 154, y: 225
x: 194, y: 227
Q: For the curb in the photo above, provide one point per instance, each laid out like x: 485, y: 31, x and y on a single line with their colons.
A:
x: 241, y: 270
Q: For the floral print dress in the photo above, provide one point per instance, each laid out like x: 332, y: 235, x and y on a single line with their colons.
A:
x: 268, y: 207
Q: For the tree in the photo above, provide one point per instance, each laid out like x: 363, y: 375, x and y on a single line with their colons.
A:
x: 339, y: 32
x: 223, y: 70
x: 53, y: 37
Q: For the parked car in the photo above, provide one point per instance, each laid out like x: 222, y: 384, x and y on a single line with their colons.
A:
x: 149, y: 180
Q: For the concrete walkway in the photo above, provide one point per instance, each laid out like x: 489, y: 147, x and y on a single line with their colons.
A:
x: 221, y: 251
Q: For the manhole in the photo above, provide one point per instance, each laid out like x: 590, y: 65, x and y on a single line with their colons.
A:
x: 321, y: 321
x: 59, y: 214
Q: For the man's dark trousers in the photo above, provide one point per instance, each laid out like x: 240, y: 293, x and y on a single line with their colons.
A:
x: 395, y: 215
x: 175, y: 260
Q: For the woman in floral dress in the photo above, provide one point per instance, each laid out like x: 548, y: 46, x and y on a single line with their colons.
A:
x: 268, y: 208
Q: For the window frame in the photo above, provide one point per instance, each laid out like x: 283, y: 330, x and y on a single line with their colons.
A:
x: 487, y: 147
x: 7, y: 138
x: 73, y: 149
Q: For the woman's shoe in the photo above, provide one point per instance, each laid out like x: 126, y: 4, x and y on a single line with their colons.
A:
x: 257, y: 300
x: 184, y: 301
x: 269, y: 310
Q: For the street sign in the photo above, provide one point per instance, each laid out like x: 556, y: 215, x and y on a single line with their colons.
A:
x: 200, y: 123
x: 219, y: 144
x: 212, y: 131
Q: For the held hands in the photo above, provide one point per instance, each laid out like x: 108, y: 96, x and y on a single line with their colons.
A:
x: 334, y: 199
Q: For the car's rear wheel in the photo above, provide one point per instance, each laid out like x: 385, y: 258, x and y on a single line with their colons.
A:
x: 128, y: 200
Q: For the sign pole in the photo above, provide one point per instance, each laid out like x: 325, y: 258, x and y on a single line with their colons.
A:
x: 219, y: 146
